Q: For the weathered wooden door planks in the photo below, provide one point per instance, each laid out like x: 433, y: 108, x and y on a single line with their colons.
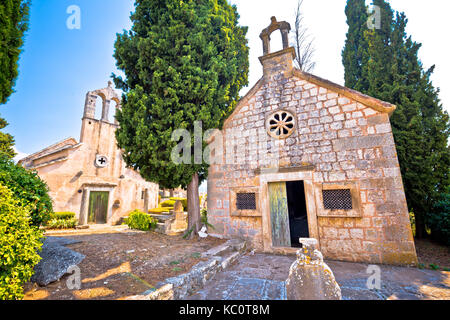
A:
x: 279, y: 215
x: 98, y: 207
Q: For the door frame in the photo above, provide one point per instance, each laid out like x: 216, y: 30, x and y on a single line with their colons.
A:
x: 307, y: 178
x: 87, y: 189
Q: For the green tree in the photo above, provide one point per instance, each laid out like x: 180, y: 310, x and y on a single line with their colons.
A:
x: 6, y: 141
x: 356, y: 44
x: 13, y: 25
x: 28, y: 188
x: 184, y: 61
x: 391, y: 71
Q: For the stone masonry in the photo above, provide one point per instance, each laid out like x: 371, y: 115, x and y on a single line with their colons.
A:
x: 341, y: 139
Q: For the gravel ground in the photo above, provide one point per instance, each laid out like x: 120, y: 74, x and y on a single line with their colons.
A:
x: 119, y: 265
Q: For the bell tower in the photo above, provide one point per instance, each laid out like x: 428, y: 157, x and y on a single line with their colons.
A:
x: 280, y: 63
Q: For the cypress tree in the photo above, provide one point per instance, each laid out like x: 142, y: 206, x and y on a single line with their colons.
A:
x: 184, y: 61
x: 392, y: 71
x: 355, y: 45
x: 13, y: 25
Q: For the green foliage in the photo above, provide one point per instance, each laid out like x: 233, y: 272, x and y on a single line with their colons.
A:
x: 184, y: 61
x: 62, y: 215
x: 356, y: 46
x: 168, y: 203
x: 434, y: 267
x: 70, y: 223
x: 439, y: 219
x: 13, y: 25
x: 19, y: 244
x: 139, y: 220
x: 28, y: 188
x: 204, y: 218
x: 161, y: 210
x: 390, y: 70
x: 6, y: 141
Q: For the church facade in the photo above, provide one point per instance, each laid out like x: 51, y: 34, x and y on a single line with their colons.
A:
x: 302, y: 157
x: 90, y: 177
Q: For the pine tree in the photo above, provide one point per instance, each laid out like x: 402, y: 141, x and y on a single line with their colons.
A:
x: 393, y: 72
x: 184, y: 61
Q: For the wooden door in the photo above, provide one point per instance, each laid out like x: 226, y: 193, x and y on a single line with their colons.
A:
x: 279, y: 215
x: 98, y: 207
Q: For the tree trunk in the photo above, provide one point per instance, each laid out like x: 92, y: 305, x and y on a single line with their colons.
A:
x: 193, y: 206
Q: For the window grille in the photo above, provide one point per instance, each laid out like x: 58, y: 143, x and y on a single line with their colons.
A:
x: 246, y: 201
x: 337, y: 199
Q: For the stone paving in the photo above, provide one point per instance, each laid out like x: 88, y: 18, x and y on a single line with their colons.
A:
x: 262, y: 277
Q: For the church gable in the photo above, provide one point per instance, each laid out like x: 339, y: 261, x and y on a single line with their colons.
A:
x: 306, y: 158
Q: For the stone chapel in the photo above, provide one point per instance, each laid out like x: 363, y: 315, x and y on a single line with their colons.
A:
x: 302, y: 157
x: 90, y: 177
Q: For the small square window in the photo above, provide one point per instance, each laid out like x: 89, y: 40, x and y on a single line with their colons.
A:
x: 340, y: 199
x: 246, y: 201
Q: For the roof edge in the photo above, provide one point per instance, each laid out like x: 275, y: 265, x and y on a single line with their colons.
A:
x: 245, y: 99
x: 45, y: 151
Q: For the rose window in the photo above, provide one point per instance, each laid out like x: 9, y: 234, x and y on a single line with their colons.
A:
x: 281, y: 124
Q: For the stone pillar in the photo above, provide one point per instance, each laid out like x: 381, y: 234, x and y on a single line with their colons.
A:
x: 89, y: 105
x: 83, y: 219
x: 309, y: 277
x: 105, y: 111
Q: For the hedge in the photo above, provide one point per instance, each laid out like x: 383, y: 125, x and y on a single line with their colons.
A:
x: 19, y: 246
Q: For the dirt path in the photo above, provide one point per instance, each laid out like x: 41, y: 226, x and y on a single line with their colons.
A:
x: 123, y: 264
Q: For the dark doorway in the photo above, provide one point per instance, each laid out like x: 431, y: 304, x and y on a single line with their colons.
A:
x: 298, y: 216
x: 98, y: 207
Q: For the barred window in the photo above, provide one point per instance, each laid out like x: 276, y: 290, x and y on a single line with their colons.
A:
x: 337, y: 199
x: 246, y: 201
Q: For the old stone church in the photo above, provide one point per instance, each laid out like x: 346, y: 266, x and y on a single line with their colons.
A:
x: 306, y: 158
x: 89, y: 177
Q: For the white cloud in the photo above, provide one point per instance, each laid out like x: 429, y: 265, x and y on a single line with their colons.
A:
x: 19, y: 156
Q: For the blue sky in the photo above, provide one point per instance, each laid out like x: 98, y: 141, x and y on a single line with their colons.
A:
x: 58, y: 65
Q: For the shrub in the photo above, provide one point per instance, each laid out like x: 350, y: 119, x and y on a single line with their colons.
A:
x: 439, y: 220
x: 167, y: 203
x: 62, y: 223
x: 28, y: 189
x: 139, y: 220
x: 62, y: 215
x: 161, y: 210
x: 19, y: 245
x: 204, y: 218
